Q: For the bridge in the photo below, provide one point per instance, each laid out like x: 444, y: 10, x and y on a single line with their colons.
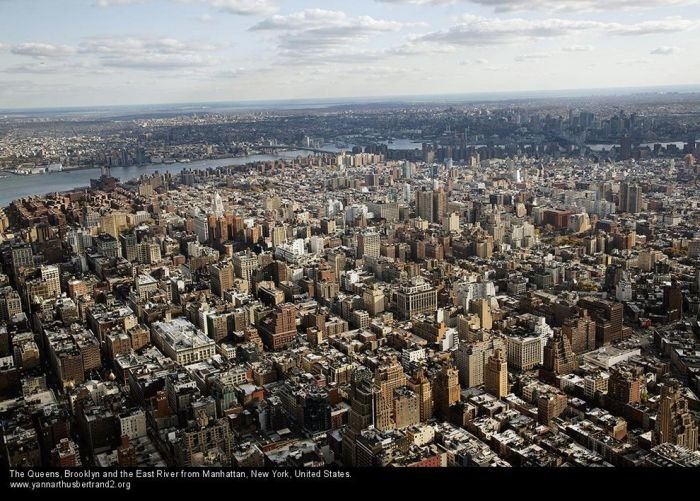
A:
x: 282, y: 147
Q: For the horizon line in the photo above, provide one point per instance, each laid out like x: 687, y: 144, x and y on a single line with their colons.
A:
x: 475, y: 96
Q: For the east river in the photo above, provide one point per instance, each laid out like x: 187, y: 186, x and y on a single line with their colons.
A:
x: 13, y: 186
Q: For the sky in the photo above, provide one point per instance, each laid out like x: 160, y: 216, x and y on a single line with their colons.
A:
x: 57, y: 53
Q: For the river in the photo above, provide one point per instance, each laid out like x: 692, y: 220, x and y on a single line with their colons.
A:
x: 13, y: 187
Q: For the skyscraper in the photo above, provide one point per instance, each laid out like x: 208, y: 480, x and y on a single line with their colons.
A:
x: 674, y: 423
x: 424, y: 204
x: 497, y: 374
x: 446, y: 390
x: 388, y: 378
x: 559, y: 358
x: 368, y: 244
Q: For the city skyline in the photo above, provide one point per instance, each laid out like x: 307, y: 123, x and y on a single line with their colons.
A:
x: 118, y: 52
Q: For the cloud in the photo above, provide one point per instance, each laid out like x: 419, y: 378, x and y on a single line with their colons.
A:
x: 41, y: 50
x: 238, y: 7
x: 309, y: 19
x: 533, y: 56
x: 559, y: 5
x: 577, y: 48
x: 117, y: 3
x: 417, y: 48
x: 318, y: 32
x: 244, y: 7
x: 665, y: 51
x: 41, y: 67
x: 479, y: 31
x: 150, y: 53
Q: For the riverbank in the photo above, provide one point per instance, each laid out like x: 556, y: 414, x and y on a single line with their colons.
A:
x: 14, y: 187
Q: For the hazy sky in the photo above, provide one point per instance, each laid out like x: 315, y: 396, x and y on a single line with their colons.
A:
x: 95, y: 52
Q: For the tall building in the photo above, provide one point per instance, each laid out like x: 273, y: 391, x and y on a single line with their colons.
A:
x: 421, y: 385
x: 424, y: 205
x: 497, y: 374
x: 446, y: 390
x: 581, y: 333
x: 244, y: 265
x: 674, y: 423
x: 373, y: 299
x: 217, y: 205
x: 524, y: 353
x: 362, y: 410
x: 129, y: 243
x: 415, y: 297
x: 279, y: 329
x: 439, y: 205
x: 673, y: 301
x: 388, y: 378
x: 108, y: 246
x: 470, y: 359
x: 204, y: 442
x: 630, y: 198
x: 626, y: 384
x: 22, y: 256
x: 406, y: 408
x: 222, y: 276
x: 559, y: 358
x: 368, y: 244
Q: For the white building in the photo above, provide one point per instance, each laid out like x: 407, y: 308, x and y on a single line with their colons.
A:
x: 182, y: 341
x: 524, y: 353
x: 133, y: 423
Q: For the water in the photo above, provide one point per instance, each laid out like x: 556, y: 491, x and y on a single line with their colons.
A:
x: 13, y: 187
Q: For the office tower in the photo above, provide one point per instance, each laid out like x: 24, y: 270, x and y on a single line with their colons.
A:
x: 368, y: 244
x: 470, y: 359
x: 581, y: 333
x: 630, y: 198
x: 608, y: 316
x: 362, y: 409
x: 446, y: 390
x: 525, y: 352
x: 279, y: 330
x: 424, y: 205
x: 559, y: 358
x: 217, y: 205
x: 50, y: 275
x: 673, y: 301
x: 482, y: 307
x: 244, y: 265
x: 497, y: 374
x: 674, y: 423
x: 222, y: 276
x: 439, y: 205
x: 316, y: 410
x: 550, y: 405
x: 451, y: 223
x: 278, y: 235
x: 421, y: 385
x: 22, y: 256
x: 204, y: 440
x: 10, y: 303
x: 108, y: 246
x: 406, y: 408
x: 625, y: 148
x: 128, y: 243
x: 388, y: 378
x: 416, y: 297
x: 626, y: 384
x: 373, y: 299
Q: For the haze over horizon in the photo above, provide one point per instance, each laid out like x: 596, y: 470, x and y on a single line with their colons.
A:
x: 132, y: 52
